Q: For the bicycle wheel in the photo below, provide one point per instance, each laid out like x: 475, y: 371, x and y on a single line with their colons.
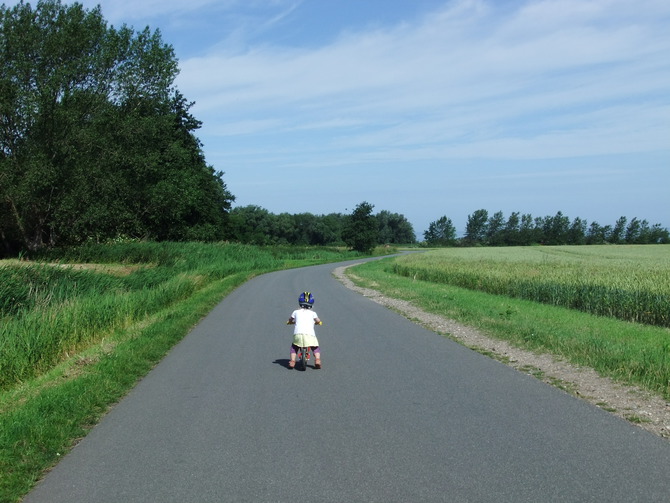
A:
x: 303, y: 357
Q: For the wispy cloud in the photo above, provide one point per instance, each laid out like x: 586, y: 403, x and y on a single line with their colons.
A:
x: 550, y: 78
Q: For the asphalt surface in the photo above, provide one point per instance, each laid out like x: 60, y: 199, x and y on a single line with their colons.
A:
x: 397, y: 414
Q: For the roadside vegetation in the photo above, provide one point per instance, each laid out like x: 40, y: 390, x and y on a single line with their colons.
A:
x: 80, y: 326
x: 479, y: 288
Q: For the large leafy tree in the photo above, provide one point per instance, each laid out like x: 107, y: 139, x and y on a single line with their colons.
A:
x: 441, y: 232
x: 527, y: 231
x: 577, y: 232
x: 556, y: 229
x: 52, y: 80
x: 495, y: 227
x: 511, y: 234
x: 476, y: 227
x: 95, y: 141
x: 394, y: 228
x: 618, y: 231
x: 361, y: 232
x: 252, y: 224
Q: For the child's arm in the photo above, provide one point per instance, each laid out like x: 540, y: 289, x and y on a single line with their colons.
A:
x: 291, y: 321
x: 317, y: 321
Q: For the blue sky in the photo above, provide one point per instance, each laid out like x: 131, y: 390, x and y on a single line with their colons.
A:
x: 425, y: 107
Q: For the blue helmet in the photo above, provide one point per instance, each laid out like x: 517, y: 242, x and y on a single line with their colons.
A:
x: 306, y: 299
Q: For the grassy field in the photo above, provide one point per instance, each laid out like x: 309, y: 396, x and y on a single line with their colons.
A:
x: 480, y: 287
x: 631, y: 283
x: 80, y: 327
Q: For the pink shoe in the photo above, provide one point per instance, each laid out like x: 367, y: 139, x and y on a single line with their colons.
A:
x: 291, y: 364
x: 317, y: 364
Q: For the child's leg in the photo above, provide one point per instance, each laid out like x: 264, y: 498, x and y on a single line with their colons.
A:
x: 292, y: 355
x: 317, y: 356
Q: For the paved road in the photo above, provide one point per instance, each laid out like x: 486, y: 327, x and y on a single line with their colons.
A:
x: 397, y: 414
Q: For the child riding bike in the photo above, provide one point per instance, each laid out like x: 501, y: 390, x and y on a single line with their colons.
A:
x: 304, y: 320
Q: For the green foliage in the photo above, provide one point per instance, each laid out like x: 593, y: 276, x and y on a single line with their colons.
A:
x: 255, y: 225
x: 524, y: 230
x: 361, y: 232
x: 440, y: 233
x: 476, y: 227
x: 394, y: 228
x: 95, y: 142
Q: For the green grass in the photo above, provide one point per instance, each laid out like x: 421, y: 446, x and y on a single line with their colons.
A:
x: 632, y: 353
x: 79, y: 328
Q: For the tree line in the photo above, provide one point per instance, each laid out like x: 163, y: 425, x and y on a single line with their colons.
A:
x: 95, y: 140
x: 524, y: 230
x: 361, y: 230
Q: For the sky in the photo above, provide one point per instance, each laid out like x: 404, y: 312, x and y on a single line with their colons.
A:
x: 427, y: 108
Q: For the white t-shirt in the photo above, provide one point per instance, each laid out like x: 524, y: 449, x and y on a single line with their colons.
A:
x: 303, y: 333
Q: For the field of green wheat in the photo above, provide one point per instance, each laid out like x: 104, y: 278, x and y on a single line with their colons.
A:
x: 630, y: 283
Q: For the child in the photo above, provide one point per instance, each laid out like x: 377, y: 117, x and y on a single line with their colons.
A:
x: 304, y: 320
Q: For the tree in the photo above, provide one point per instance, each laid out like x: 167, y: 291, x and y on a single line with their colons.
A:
x: 494, y: 229
x: 440, y: 233
x: 577, y: 232
x: 658, y: 235
x: 306, y: 227
x: 617, y: 234
x: 95, y: 141
x: 527, y: 230
x: 634, y: 231
x: 251, y: 224
x: 333, y: 224
x: 556, y: 229
x: 597, y: 234
x: 52, y: 80
x: 475, y: 228
x: 361, y: 231
x: 511, y: 232
x: 394, y: 228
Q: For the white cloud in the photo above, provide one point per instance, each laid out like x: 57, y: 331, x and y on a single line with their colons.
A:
x: 506, y: 82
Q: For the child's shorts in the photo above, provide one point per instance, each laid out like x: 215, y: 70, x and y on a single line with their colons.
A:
x: 303, y: 340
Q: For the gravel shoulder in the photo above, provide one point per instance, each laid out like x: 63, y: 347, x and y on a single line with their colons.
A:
x: 633, y: 404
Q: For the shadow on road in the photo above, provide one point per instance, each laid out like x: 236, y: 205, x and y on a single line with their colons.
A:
x: 284, y: 363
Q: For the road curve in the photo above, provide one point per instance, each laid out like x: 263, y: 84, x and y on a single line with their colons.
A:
x: 397, y: 414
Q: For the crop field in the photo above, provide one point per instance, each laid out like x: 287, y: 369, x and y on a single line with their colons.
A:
x: 630, y: 283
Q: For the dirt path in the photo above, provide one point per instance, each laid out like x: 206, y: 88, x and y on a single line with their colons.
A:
x: 637, y: 406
